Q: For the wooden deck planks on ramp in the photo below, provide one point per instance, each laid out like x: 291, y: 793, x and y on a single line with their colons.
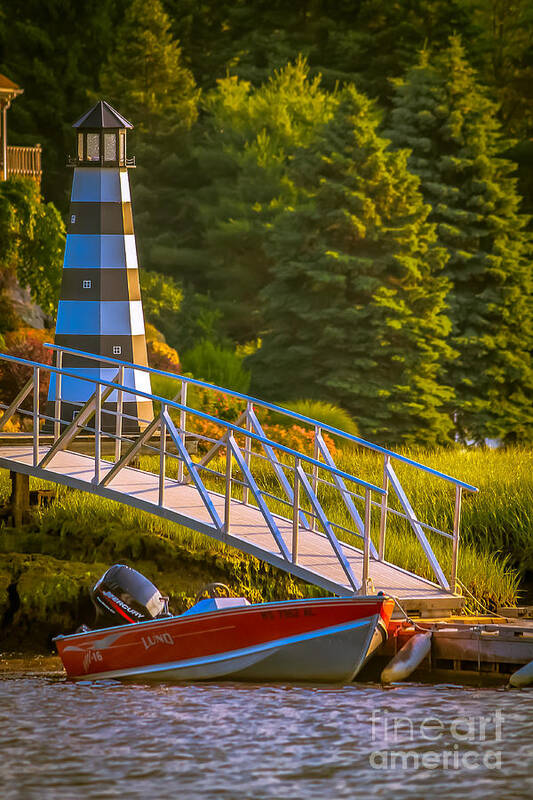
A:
x: 317, y: 563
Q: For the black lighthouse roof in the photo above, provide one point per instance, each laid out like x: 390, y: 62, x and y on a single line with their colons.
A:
x: 101, y: 115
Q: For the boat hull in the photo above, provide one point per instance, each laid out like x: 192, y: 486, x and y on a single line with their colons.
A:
x: 325, y: 640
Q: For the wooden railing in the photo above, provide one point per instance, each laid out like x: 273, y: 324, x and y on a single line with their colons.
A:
x: 24, y: 161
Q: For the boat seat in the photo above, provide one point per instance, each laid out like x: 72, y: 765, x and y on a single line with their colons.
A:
x: 216, y: 604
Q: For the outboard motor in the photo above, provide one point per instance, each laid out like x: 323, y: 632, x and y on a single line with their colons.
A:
x: 123, y: 595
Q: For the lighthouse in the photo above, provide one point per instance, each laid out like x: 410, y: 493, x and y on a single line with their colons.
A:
x: 100, y: 307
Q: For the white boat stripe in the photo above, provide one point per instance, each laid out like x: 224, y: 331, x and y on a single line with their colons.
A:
x: 108, y: 641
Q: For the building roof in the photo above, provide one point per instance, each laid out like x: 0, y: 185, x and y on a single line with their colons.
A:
x: 7, y: 87
x: 101, y: 115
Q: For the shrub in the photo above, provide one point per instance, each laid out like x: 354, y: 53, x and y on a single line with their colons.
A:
x: 24, y: 343
x: 165, y: 387
x: 162, y: 299
x: 152, y: 334
x: 219, y: 365
x: 162, y: 356
x: 217, y: 404
x: 326, y: 413
x: 204, y: 427
x: 297, y: 437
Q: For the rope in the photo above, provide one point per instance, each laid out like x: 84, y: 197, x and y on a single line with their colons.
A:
x: 406, y: 616
x: 479, y: 603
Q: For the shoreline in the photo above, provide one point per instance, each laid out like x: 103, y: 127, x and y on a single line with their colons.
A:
x: 16, y: 662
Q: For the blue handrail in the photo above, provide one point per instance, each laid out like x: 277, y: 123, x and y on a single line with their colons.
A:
x: 272, y: 407
x: 196, y: 412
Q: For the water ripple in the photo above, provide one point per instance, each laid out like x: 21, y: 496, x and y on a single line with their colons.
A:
x: 63, y: 741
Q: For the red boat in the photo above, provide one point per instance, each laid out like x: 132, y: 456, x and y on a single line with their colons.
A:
x: 223, y: 638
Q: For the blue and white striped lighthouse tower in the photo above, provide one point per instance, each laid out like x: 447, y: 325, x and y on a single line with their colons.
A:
x: 100, y: 308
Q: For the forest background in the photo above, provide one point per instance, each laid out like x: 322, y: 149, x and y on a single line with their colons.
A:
x: 332, y: 199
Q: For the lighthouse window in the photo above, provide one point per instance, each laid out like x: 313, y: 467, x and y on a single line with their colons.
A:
x: 93, y: 147
x: 110, y: 147
x: 87, y: 284
x: 122, y: 146
x: 80, y: 146
x: 117, y: 349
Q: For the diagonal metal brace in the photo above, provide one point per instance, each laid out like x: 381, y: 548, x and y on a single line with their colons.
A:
x: 256, y: 491
x: 337, y: 547
x: 21, y: 396
x: 134, y: 449
x: 72, y: 430
x: 416, y: 526
x: 193, y: 472
x: 341, y: 486
x: 278, y: 469
x: 211, y: 453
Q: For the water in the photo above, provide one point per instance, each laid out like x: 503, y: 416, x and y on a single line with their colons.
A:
x: 66, y: 741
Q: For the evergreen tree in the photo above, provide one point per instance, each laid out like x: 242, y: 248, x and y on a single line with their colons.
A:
x: 355, y: 307
x: 250, y: 39
x: 251, y: 136
x: 145, y: 72
x: 376, y: 40
x: 451, y: 127
x: 343, y: 40
x: 503, y: 54
x: 53, y: 50
x: 145, y: 78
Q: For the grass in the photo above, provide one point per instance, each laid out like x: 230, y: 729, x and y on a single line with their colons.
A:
x: 498, y: 519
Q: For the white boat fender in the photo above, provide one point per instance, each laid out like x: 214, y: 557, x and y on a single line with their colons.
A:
x: 523, y: 676
x: 408, y: 658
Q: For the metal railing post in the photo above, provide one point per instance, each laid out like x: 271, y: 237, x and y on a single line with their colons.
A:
x: 296, y: 511
x: 162, y: 455
x: 227, y: 501
x: 456, y: 527
x: 247, y: 448
x: 183, y: 425
x: 384, y: 505
x: 57, y: 403
x: 366, y: 549
x: 97, y: 426
x: 118, y: 418
x: 35, y: 416
x: 316, y: 456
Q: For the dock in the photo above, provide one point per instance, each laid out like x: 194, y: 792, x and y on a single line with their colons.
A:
x: 89, y: 451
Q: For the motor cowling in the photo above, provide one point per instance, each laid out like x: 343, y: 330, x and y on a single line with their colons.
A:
x: 123, y: 595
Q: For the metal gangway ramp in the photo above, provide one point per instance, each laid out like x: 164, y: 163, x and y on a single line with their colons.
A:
x: 296, y: 511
